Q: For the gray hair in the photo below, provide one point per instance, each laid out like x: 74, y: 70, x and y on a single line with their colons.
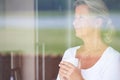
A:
x: 99, y: 9
x: 95, y: 6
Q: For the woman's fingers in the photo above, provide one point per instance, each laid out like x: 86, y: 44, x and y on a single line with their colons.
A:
x: 66, y: 69
x: 69, y: 71
x: 64, y: 66
x: 67, y: 64
x: 64, y: 75
x: 63, y: 71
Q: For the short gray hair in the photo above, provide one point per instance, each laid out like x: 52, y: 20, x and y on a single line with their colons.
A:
x: 95, y: 6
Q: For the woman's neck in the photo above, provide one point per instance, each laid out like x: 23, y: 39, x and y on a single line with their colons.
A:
x: 93, y: 42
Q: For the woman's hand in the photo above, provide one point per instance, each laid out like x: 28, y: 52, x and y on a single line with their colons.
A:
x: 69, y: 72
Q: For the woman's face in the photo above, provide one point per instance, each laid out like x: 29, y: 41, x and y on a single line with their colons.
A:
x: 84, y: 23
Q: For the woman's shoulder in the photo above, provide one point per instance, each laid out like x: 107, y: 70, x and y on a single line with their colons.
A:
x: 112, y: 55
x: 113, y: 52
x: 70, y: 52
x: 112, y: 64
x: 72, y: 49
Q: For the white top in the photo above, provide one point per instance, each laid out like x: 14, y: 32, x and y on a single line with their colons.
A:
x: 106, y: 68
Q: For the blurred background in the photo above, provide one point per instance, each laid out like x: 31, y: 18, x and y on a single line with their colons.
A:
x: 35, y: 33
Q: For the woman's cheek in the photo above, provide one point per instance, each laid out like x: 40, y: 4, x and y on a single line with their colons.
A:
x: 79, y: 25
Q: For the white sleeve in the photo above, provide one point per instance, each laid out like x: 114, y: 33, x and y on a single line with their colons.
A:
x: 113, y: 71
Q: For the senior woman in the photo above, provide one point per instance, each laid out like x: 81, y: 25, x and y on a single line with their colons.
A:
x: 94, y: 60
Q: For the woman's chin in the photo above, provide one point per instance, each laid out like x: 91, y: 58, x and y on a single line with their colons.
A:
x: 78, y: 35
x: 81, y: 35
